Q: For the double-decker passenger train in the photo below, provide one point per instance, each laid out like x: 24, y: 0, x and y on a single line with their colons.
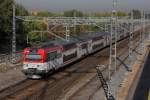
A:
x: 56, y: 54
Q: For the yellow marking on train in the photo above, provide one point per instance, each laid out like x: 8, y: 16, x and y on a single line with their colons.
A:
x: 149, y: 94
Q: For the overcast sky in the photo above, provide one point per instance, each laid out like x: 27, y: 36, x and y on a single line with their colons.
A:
x: 83, y: 5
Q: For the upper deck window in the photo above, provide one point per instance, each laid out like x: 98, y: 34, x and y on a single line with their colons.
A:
x: 52, y: 55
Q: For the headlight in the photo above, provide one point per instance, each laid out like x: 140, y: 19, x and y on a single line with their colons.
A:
x: 25, y: 65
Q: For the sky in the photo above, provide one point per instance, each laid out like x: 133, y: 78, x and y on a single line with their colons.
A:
x: 83, y: 5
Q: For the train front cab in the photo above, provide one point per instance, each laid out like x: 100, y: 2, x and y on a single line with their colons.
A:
x: 54, y: 58
x: 34, y: 65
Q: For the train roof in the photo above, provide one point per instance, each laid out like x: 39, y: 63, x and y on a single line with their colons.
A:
x: 73, y: 39
x: 88, y: 36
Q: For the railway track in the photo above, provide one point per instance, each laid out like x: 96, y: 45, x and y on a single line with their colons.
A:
x: 58, y: 84
x: 89, y: 96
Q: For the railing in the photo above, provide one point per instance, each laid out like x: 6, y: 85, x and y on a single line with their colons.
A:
x: 7, y: 58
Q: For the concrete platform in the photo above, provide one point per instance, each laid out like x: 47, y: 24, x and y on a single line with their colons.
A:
x: 143, y: 87
x: 129, y: 85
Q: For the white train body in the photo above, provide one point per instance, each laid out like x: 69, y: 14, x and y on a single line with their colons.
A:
x: 45, y: 60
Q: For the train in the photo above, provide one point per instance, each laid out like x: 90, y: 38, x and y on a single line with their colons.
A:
x: 50, y: 56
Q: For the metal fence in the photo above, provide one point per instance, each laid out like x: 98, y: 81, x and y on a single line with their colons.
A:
x: 7, y: 58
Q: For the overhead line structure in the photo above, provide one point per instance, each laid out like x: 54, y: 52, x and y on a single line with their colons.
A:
x: 59, y: 37
x: 68, y: 22
x: 79, y: 20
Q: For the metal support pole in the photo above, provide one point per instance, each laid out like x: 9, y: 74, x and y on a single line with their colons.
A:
x: 140, y: 46
x: 112, y: 60
x: 143, y: 29
x: 75, y: 23
x: 110, y: 65
x: 67, y: 33
x: 27, y: 39
x: 106, y: 27
x: 47, y: 23
x: 148, y: 24
x: 149, y: 32
x: 14, y: 34
x: 41, y: 36
x: 131, y: 42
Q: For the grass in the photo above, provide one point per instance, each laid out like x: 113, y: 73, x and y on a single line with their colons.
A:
x: 3, y: 67
x: 149, y: 94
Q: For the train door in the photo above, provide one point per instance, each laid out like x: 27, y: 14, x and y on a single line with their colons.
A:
x: 90, y: 46
x: 59, y: 58
x: 105, y: 40
x: 55, y: 59
x: 79, y: 50
x: 109, y: 40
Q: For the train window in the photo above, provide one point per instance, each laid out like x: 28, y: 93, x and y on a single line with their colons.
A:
x: 83, y: 46
x: 98, y: 46
x: 69, y: 57
x: 33, y: 57
x: 52, y: 55
x: 97, y: 38
x: 89, y: 44
x: 69, y: 46
x: 59, y: 55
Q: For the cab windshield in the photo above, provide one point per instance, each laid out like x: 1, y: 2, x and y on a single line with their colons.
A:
x: 33, y: 57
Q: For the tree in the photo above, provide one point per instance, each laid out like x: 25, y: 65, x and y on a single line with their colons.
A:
x: 45, y: 14
x: 121, y: 14
x: 6, y: 12
x: 5, y: 20
x: 21, y: 11
x: 73, y: 13
x: 21, y: 32
x: 136, y: 14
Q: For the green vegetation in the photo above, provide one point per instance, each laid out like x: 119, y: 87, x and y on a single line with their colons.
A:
x: 73, y: 13
x: 108, y: 14
x: 48, y: 14
x: 34, y: 36
x: 6, y: 25
x: 5, y: 20
x: 26, y: 30
x: 136, y: 14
